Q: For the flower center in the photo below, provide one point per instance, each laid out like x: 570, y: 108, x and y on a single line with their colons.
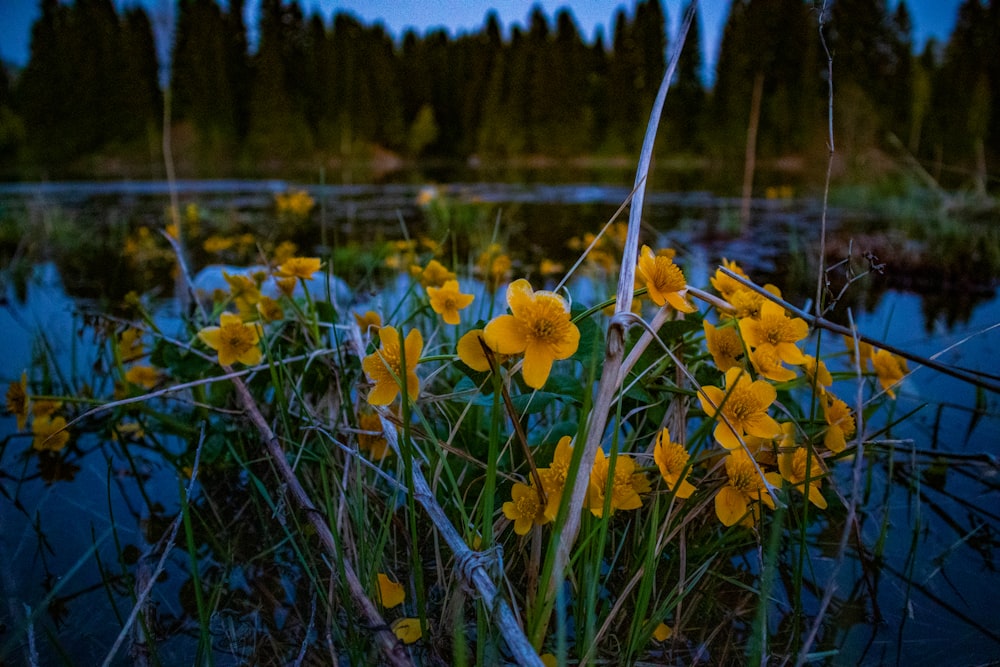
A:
x: 542, y: 328
x: 676, y: 458
x: 237, y: 338
x: 668, y: 276
x: 558, y: 471
x: 744, y: 479
x: 527, y: 505
x: 740, y: 406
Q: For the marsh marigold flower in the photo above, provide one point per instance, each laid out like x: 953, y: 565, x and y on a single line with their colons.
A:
x: 725, y: 285
x: 841, y: 423
x: 525, y: 508
x: 369, y: 323
x: 233, y: 340
x: 299, y: 267
x: 775, y: 329
x: 768, y: 364
x: 539, y: 326
x: 864, y: 349
x: 742, y: 491
x: 372, y: 439
x: 269, y: 309
x: 447, y: 300
x: 798, y: 465
x: 664, y: 280
x: 130, y: 345
x: 384, y: 365
x: 435, y: 274
x: 625, y: 487
x: 50, y: 433
x: 891, y: 369
x: 817, y: 373
x: 142, y: 376
x: 744, y: 405
x: 724, y: 344
x: 17, y: 401
x: 554, y: 477
x: 242, y: 288
x: 672, y: 460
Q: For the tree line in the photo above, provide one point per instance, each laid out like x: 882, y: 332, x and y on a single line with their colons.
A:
x: 313, y: 90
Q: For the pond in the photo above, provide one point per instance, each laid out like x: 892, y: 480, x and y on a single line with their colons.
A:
x: 916, y: 589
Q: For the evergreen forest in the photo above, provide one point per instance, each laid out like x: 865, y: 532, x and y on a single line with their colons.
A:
x: 312, y: 91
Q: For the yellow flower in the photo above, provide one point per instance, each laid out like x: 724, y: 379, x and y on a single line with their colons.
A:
x: 471, y: 353
x: 724, y: 344
x: 539, y: 326
x: 384, y: 366
x: 130, y: 345
x: 494, y: 265
x: 743, y: 404
x: 406, y: 629
x: 299, y: 267
x: 369, y: 323
x: 447, y: 300
x: 142, y: 376
x: 817, y: 373
x: 554, y: 477
x: 269, y: 309
x: 17, y: 401
x: 525, y: 508
x: 841, y: 423
x: 664, y: 280
x: 890, y: 370
x: 243, y: 288
x: 792, y: 466
x: 866, y: 350
x: 663, y: 632
x: 747, y: 303
x: 50, y: 433
x: 215, y: 244
x: 725, y: 285
x: 286, y: 285
x: 45, y: 408
x: 549, y: 660
x: 672, y: 460
x: 625, y: 487
x: 372, y: 439
x: 295, y: 204
x: 285, y: 250
x: 767, y: 363
x: 390, y: 593
x: 435, y: 274
x: 776, y: 329
x: 548, y: 267
x: 742, y: 491
x: 233, y: 340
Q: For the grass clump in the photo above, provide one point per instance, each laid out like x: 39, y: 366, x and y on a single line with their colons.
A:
x: 394, y: 480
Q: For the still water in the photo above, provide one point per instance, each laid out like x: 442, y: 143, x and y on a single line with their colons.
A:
x: 919, y: 590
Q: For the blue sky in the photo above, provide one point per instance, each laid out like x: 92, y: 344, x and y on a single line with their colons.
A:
x: 930, y: 17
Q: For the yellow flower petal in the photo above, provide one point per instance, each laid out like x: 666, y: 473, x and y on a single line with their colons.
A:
x: 730, y: 505
x: 407, y: 629
x: 390, y: 593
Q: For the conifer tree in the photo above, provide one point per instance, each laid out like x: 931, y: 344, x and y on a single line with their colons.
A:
x: 685, y: 106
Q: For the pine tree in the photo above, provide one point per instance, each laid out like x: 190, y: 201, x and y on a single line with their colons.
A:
x: 142, y: 106
x: 685, y: 105
x: 277, y: 123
